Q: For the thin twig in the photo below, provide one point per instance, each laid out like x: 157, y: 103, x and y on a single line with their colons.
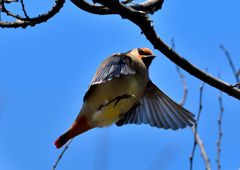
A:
x: 12, y: 14
x: 195, y: 127
x: 184, y: 86
x: 236, y: 73
x: 203, y: 152
x: 23, y: 8
x: 219, y: 130
x: 197, y: 139
x: 235, y: 85
x: 60, y: 156
x: 181, y: 76
x: 24, y: 22
x: 173, y: 43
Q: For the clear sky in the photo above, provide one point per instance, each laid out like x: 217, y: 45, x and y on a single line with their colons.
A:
x: 45, y: 71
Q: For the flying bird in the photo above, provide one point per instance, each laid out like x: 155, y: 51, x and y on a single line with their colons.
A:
x: 121, y: 92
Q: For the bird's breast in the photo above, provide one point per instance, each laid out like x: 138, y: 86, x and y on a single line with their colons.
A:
x: 113, y: 98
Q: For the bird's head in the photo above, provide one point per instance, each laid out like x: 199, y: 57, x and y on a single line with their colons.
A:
x: 145, y: 54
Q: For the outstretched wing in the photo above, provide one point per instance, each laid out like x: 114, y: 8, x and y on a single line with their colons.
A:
x: 113, y: 66
x: 158, y: 110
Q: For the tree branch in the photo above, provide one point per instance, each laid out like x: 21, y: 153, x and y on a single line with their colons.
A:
x: 91, y: 8
x: 23, y: 8
x: 197, y: 139
x: 235, y: 85
x: 182, y: 78
x: 24, y: 22
x: 219, y: 131
x: 236, y: 73
x: 149, y: 6
x: 11, y: 14
x: 60, y: 156
x: 144, y: 22
x: 184, y: 86
x: 203, y: 152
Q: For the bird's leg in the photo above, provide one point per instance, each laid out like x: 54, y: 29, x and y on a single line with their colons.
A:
x: 125, y: 96
x: 117, y: 99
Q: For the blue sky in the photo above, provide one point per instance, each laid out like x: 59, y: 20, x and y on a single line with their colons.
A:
x: 45, y: 71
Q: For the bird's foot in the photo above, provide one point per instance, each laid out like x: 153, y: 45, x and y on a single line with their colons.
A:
x: 117, y: 99
x: 124, y: 96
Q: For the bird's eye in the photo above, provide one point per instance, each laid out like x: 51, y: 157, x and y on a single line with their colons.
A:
x: 141, y: 52
x: 144, y: 51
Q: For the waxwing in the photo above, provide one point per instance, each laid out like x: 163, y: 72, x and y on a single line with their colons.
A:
x: 121, y: 92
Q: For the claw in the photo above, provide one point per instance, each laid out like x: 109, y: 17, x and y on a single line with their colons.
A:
x: 125, y: 96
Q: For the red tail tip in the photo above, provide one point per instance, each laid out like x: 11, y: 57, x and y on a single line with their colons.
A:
x: 58, y: 144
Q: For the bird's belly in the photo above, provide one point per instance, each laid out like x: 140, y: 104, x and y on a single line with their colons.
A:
x: 108, y: 108
x: 110, y: 113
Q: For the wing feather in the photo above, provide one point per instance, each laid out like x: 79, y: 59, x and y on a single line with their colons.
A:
x: 114, y: 66
x: 158, y: 110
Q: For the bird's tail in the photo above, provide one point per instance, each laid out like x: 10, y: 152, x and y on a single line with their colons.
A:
x: 62, y: 139
x: 79, y: 126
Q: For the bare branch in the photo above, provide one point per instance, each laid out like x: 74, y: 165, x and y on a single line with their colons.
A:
x: 144, y: 22
x: 9, y: 1
x: 173, y: 43
x: 219, y: 130
x: 236, y: 73
x: 11, y: 14
x: 184, y: 86
x: 182, y: 78
x: 128, y: 1
x: 235, y: 85
x: 23, y: 8
x: 60, y: 156
x: 91, y: 8
x: 149, y: 6
x: 203, y: 152
x: 198, y: 140
x: 24, y: 22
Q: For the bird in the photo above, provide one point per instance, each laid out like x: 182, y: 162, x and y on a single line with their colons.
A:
x: 121, y: 92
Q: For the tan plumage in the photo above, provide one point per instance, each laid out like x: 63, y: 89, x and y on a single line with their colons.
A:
x: 121, y: 92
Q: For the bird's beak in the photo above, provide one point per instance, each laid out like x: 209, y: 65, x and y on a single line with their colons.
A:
x: 151, y: 56
x: 148, y: 60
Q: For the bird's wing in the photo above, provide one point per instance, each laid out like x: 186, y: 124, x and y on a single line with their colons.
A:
x: 112, y: 67
x: 158, y: 110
